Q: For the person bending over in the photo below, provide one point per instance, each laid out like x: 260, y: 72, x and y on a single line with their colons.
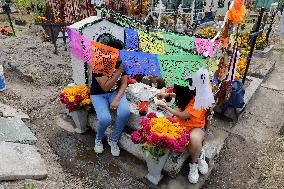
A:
x: 193, y: 120
x: 107, y: 94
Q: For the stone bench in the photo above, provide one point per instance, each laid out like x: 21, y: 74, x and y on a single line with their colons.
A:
x: 175, y: 161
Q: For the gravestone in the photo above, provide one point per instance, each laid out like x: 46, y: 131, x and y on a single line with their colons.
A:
x: 20, y: 161
x: 15, y: 130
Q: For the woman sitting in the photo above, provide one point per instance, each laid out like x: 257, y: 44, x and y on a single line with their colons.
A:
x: 193, y: 120
x: 107, y: 94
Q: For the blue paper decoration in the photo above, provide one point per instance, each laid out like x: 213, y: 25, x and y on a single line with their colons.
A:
x: 131, y: 39
x: 215, y: 81
x: 140, y: 63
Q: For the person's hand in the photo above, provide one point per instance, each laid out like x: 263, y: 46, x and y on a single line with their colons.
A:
x: 120, y: 68
x: 163, y: 107
x: 114, y: 104
x: 161, y: 96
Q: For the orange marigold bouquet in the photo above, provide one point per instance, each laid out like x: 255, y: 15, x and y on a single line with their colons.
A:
x: 76, y: 98
x: 208, y: 33
x: 160, y: 135
x: 43, y: 19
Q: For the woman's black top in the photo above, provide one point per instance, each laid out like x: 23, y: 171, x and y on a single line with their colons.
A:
x: 96, y: 88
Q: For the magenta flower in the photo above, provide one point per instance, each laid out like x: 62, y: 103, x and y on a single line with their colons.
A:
x: 137, y: 137
x: 171, y: 119
x: 152, y: 115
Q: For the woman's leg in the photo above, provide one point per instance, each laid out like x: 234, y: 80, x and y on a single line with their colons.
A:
x: 196, y: 138
x: 122, y: 116
x: 101, y: 105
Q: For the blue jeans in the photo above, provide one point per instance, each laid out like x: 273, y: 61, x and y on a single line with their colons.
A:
x: 101, y: 104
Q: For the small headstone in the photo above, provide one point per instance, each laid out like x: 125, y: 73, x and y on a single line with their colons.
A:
x: 15, y: 130
x: 20, y: 22
x: 281, y: 132
x: 20, y: 161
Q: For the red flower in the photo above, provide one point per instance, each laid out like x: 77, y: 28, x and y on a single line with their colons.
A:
x: 137, y: 137
x: 145, y: 124
x: 171, y: 119
x: 70, y: 107
x: 152, y: 115
x: 154, y: 139
x: 77, y: 99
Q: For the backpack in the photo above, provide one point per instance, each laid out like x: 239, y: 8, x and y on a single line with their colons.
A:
x: 237, y: 96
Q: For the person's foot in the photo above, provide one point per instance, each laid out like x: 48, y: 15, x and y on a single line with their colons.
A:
x: 114, y: 147
x: 99, y: 148
x: 193, y: 175
x: 202, y: 164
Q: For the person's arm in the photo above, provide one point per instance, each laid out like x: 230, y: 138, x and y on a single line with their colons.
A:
x: 183, y: 115
x: 166, y: 95
x: 107, y: 84
x: 120, y: 93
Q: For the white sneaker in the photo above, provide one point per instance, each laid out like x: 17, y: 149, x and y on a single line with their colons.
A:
x: 202, y: 164
x: 193, y: 175
x: 99, y: 148
x: 114, y: 147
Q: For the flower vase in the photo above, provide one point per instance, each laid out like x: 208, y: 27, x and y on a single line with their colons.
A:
x: 80, y: 119
x: 155, y: 168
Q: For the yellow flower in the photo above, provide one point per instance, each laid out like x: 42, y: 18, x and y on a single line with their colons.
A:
x: 71, y: 98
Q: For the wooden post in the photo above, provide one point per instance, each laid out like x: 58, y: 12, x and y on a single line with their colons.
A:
x: 254, y: 35
x: 7, y: 10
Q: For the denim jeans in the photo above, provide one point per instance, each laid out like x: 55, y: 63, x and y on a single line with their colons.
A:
x: 101, y: 104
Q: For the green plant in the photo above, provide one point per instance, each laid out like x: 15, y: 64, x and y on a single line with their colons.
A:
x: 32, y: 186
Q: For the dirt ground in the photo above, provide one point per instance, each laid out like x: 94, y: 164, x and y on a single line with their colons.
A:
x: 251, y: 158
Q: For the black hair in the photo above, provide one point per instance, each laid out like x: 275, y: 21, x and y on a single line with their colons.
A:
x: 110, y: 40
x: 183, y: 96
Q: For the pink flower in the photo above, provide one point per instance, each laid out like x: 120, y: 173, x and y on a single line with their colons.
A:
x: 154, y: 139
x: 70, y: 107
x: 152, y: 115
x: 171, y: 119
x: 137, y: 137
x: 145, y: 124
x: 177, y: 146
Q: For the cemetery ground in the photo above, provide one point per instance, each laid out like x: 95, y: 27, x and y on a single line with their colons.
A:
x: 251, y: 157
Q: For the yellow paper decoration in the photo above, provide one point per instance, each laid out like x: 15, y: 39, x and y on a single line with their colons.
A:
x: 150, y: 44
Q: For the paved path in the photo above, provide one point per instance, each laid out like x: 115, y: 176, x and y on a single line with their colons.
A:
x: 242, y: 161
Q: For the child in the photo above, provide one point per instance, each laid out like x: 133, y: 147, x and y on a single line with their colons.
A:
x: 193, y: 120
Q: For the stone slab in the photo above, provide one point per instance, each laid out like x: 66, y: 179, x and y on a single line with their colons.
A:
x: 214, y: 142
x: 251, y: 89
x: 15, y: 130
x: 264, y: 69
x: 264, y: 53
x: 20, y: 161
x: 8, y: 111
x: 176, y: 161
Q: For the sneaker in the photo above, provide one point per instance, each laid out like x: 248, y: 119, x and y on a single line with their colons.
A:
x: 114, y: 147
x: 193, y: 175
x: 99, y: 148
x: 202, y: 164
